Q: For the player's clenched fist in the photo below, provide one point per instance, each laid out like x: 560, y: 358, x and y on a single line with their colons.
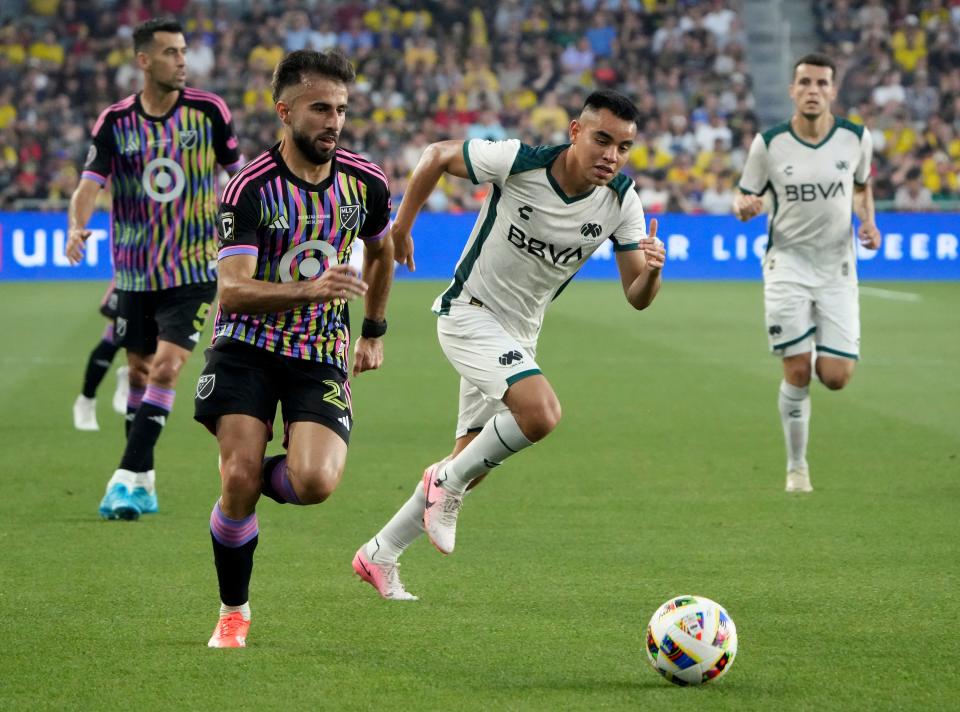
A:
x: 747, y: 206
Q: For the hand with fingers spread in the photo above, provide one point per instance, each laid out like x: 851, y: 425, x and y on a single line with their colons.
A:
x: 653, y: 249
x: 76, y: 240
x: 337, y: 282
x: 402, y: 246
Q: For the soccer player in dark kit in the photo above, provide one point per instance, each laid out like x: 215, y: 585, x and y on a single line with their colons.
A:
x: 159, y: 149
x: 288, y: 221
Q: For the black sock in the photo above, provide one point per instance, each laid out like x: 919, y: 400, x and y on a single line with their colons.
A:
x: 142, y: 437
x: 134, y: 399
x: 234, y: 563
x: 97, y: 366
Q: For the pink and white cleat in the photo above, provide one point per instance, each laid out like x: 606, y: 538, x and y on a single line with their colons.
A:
x: 383, y: 577
x: 440, y: 509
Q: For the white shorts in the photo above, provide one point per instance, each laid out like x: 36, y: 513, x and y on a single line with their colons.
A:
x: 488, y: 360
x: 800, y: 318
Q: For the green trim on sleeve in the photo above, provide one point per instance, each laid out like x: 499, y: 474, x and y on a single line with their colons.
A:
x: 523, y: 374
x: 834, y: 352
x: 530, y: 158
x: 620, y: 185
x: 625, y: 247
x: 466, y: 159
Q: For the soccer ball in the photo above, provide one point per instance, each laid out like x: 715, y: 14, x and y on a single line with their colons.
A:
x: 691, y: 640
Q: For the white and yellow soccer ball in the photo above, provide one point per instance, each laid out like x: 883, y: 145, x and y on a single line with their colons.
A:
x: 691, y: 640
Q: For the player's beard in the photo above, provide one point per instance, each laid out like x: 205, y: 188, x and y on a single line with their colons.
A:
x: 308, y: 148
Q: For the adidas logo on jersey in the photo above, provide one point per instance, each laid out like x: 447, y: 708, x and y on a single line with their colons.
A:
x: 344, y: 421
x: 279, y: 224
x: 160, y: 420
x: 195, y: 337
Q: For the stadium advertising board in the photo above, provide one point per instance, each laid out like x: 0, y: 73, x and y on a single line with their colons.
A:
x: 915, y: 247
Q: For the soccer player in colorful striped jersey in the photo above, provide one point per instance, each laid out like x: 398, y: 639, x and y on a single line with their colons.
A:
x: 548, y: 210
x: 816, y: 169
x: 160, y: 150
x: 288, y: 223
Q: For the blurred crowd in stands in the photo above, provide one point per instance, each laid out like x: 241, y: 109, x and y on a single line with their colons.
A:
x: 435, y: 69
x: 898, y: 66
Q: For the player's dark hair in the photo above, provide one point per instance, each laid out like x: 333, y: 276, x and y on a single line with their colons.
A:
x: 332, y: 65
x: 614, y: 102
x: 818, y: 60
x: 143, y: 33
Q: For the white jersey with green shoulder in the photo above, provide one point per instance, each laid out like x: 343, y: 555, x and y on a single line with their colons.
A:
x: 530, y: 238
x: 810, y: 224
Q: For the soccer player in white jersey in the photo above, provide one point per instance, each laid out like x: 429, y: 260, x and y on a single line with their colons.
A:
x: 549, y: 209
x: 816, y: 167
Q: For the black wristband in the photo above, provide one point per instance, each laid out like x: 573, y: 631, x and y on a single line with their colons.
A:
x: 373, y: 329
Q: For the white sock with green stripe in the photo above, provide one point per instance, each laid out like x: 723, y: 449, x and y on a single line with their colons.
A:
x: 794, y: 406
x: 500, y: 438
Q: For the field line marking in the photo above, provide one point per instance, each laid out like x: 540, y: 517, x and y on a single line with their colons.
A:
x: 891, y: 294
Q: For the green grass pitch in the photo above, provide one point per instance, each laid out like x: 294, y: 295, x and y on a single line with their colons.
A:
x: 665, y: 476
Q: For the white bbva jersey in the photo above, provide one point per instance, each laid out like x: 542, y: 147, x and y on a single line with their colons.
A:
x: 810, y: 225
x: 530, y: 237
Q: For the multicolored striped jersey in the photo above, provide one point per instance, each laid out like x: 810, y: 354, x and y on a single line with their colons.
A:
x: 297, y: 230
x: 162, y: 172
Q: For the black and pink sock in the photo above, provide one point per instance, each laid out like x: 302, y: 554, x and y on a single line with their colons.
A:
x: 276, y: 484
x: 234, y: 541
x: 147, y: 425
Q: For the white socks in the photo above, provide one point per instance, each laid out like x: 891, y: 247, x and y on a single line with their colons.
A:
x: 795, y: 416
x: 400, y: 532
x: 500, y: 438
x: 226, y: 610
x: 131, y: 480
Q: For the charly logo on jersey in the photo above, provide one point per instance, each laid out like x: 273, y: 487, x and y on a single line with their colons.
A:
x: 591, y: 230
x: 226, y: 227
x: 188, y: 139
x: 349, y: 216
x: 206, y: 385
x: 314, y: 253
x: 788, y: 170
x: 163, y: 180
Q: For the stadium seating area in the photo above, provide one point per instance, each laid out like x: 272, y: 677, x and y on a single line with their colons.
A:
x: 914, y: 111
x: 458, y: 68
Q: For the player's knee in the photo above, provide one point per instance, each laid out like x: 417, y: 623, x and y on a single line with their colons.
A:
x: 540, y: 419
x: 835, y: 381
x: 165, y: 373
x: 240, y: 477
x: 798, y: 372
x: 314, y: 482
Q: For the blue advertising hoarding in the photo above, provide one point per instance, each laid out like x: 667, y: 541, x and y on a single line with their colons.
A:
x: 916, y: 246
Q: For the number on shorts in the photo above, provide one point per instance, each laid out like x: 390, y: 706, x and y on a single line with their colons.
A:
x: 200, y: 320
x: 333, y: 395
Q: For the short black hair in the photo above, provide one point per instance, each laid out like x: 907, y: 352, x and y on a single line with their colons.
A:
x: 143, y: 33
x: 615, y: 102
x: 817, y: 59
x: 332, y: 65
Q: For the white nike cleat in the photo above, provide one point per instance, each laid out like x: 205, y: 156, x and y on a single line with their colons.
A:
x: 383, y: 577
x: 122, y: 391
x: 798, y: 480
x: 85, y: 413
x: 440, y: 510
